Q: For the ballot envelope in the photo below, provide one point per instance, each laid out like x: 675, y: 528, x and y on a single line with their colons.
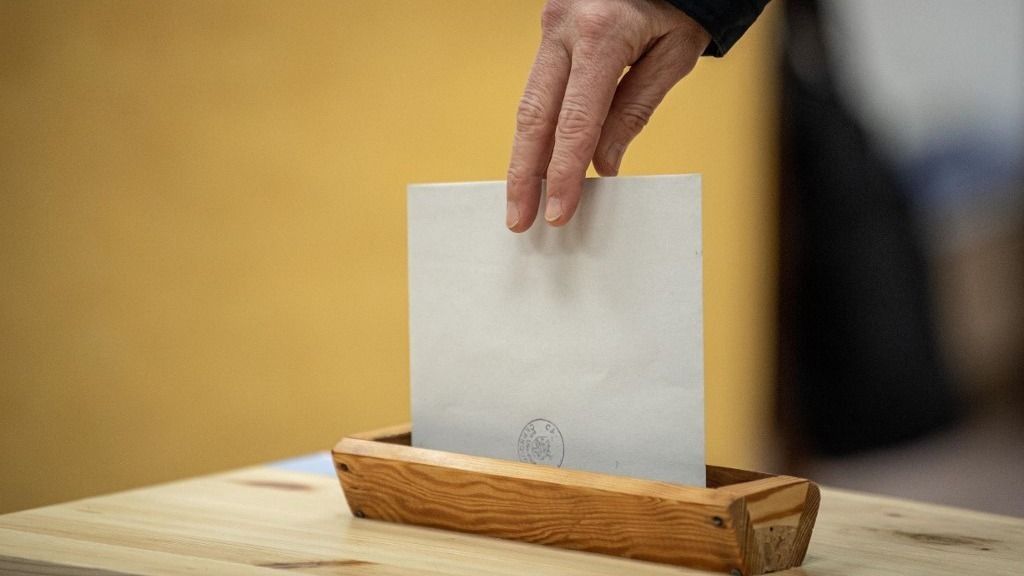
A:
x: 578, y: 347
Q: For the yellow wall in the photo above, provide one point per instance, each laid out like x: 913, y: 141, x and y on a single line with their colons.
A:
x: 202, y: 222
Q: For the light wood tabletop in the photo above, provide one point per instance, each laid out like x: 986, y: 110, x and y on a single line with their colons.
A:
x: 266, y: 520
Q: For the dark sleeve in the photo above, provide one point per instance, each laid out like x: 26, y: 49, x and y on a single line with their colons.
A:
x: 725, y: 20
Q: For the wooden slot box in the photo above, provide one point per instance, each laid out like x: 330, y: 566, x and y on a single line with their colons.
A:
x: 743, y: 523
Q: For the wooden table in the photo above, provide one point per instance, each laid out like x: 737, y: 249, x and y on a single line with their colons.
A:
x: 266, y: 520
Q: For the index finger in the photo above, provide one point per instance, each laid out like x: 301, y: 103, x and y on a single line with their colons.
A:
x: 535, y: 131
x: 593, y: 79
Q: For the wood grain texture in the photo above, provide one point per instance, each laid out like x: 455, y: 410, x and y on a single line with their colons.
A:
x: 246, y: 522
x: 400, y: 434
x: 11, y: 565
x: 564, y: 508
x: 718, y: 476
x: 776, y: 508
x: 749, y: 523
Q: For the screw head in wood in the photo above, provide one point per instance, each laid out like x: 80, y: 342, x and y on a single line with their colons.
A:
x: 717, y: 521
x: 359, y: 514
x: 735, y: 572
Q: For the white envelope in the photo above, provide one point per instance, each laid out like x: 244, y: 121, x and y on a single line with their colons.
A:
x: 580, y: 347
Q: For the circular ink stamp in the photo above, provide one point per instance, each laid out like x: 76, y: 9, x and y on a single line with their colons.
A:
x: 541, y: 442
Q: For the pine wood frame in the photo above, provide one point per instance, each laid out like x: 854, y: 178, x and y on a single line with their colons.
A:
x: 744, y: 523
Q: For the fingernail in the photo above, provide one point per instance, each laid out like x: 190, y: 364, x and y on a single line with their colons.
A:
x: 511, y: 215
x: 553, y: 211
x: 614, y: 158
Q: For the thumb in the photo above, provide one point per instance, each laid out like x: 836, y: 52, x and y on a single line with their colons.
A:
x: 639, y: 92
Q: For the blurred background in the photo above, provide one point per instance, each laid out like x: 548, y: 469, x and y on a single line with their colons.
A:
x: 202, y: 231
x: 901, y: 276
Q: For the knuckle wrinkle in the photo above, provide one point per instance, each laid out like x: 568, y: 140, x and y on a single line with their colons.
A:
x: 530, y: 115
x: 595, y: 20
x: 553, y: 15
x: 574, y: 120
x: 636, y: 116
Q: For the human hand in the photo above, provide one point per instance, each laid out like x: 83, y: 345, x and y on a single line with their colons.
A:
x: 575, y: 108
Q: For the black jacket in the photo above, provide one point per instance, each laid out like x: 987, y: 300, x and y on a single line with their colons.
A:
x: 725, y: 20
